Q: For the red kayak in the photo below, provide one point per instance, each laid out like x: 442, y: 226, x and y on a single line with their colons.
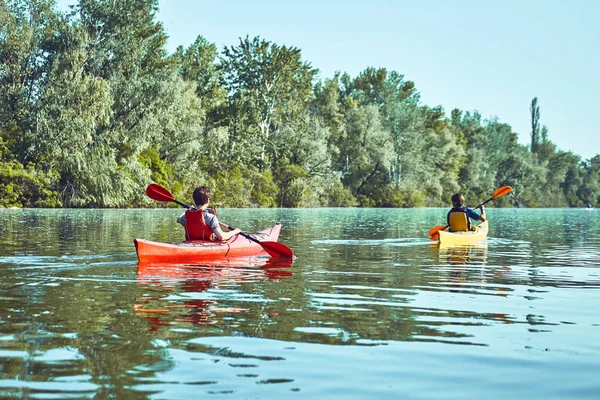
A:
x: 202, y: 250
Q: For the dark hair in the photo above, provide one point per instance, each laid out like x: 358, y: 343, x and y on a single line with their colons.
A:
x: 201, y: 195
x: 458, y: 200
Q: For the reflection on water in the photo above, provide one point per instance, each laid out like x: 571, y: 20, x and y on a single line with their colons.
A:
x: 368, y: 309
x: 463, y: 254
x: 199, y: 287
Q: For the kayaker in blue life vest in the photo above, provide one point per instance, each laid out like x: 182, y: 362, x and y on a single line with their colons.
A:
x: 201, y: 222
x: 459, y: 217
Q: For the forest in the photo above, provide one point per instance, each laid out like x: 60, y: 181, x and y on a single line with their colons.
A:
x: 93, y: 108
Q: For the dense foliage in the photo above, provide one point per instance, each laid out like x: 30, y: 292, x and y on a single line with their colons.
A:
x: 93, y: 108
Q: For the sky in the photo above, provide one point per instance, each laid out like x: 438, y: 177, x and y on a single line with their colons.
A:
x: 485, y: 55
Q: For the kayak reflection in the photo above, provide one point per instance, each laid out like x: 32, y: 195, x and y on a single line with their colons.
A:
x: 273, y: 268
x: 471, y: 254
x: 188, y: 293
x: 467, y: 269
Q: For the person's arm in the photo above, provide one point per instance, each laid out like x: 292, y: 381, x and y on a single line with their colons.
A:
x: 214, y: 224
x: 225, y: 235
x: 474, y: 215
x: 482, y: 215
x: 181, y: 219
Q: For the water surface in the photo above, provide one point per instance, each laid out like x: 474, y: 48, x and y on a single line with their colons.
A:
x: 369, y: 309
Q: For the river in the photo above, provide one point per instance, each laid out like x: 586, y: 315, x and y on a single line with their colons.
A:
x: 369, y: 308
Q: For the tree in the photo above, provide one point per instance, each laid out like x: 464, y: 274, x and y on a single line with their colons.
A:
x: 109, y: 91
x: 534, y: 109
x: 367, y: 150
x: 382, y: 88
x: 520, y: 170
x: 269, y: 85
x: 198, y: 64
x: 74, y: 107
x: 27, y: 47
x: 546, y: 148
x: 589, y: 192
x: 563, y: 180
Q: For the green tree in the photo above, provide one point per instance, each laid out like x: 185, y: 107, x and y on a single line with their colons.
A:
x: 327, y: 104
x: 563, y: 180
x: 25, y: 186
x: 367, y: 151
x: 545, y: 149
x: 198, y: 64
x: 27, y: 43
x: 114, y: 54
x: 534, y: 109
x: 75, y: 106
x: 443, y: 155
x: 589, y: 192
x: 269, y: 85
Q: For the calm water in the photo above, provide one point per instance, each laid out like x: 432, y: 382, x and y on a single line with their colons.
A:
x: 368, y: 310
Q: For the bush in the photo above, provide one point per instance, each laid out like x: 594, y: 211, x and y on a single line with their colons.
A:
x: 27, y: 187
x: 243, y: 187
x: 293, y: 183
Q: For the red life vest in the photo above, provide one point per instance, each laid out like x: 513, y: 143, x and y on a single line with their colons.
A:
x: 195, y: 226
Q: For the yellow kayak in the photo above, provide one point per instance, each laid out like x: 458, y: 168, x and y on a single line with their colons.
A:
x: 478, y: 235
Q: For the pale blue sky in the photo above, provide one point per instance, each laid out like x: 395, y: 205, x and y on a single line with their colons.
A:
x: 485, y: 55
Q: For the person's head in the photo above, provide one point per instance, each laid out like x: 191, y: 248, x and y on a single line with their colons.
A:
x: 201, y: 195
x: 458, y: 200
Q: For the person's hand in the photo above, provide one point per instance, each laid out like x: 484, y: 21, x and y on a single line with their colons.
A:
x: 236, y: 231
x: 480, y: 206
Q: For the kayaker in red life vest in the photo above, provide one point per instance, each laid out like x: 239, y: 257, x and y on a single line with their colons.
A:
x: 459, y: 217
x: 201, y: 222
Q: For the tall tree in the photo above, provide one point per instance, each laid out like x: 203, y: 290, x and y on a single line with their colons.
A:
x: 367, y: 150
x: 270, y: 85
x: 27, y: 47
x: 74, y: 106
x: 534, y: 109
x: 198, y: 64
x: 545, y: 149
x: 110, y: 88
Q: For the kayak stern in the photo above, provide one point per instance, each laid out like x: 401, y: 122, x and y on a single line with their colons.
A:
x: 478, y: 235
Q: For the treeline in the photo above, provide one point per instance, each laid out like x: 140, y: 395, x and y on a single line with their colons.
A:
x: 93, y: 108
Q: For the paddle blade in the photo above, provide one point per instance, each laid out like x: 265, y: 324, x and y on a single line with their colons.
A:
x: 158, y: 193
x: 434, y: 231
x: 276, y: 249
x: 502, y: 191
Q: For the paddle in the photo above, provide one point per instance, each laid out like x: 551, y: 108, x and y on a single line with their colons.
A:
x: 501, y: 191
x: 275, y: 249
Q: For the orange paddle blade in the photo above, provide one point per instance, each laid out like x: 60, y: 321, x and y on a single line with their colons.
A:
x: 434, y: 231
x: 502, y: 191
